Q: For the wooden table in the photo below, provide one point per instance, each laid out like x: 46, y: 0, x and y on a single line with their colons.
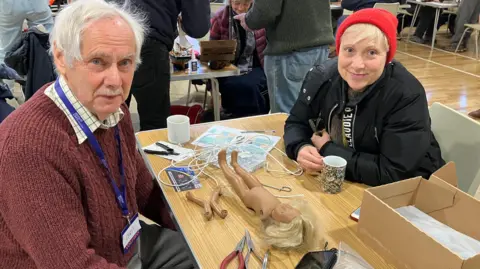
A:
x: 204, y: 72
x: 211, y: 241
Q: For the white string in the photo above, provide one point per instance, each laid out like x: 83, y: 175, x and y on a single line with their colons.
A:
x: 202, y: 158
x: 289, y: 196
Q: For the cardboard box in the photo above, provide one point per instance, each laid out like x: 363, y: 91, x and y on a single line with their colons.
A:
x: 402, y: 243
x: 218, y: 50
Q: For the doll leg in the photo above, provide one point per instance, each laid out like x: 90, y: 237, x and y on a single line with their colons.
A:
x: 248, y: 178
x: 235, y: 180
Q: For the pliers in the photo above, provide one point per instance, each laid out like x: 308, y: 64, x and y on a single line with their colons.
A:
x: 250, y: 247
x: 238, y: 251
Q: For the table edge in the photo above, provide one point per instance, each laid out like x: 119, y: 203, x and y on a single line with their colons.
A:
x: 434, y: 4
x: 212, y: 122
x: 177, y: 225
x: 208, y: 75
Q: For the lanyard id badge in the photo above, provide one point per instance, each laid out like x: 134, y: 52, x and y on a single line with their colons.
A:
x: 130, y: 233
x: 132, y: 227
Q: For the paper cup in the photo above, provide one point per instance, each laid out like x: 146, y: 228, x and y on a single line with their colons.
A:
x: 178, y: 127
x: 333, y: 174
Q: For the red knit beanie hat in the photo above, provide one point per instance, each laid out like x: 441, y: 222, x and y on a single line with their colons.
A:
x: 382, y: 19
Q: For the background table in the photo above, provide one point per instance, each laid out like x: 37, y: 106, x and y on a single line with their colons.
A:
x: 338, y: 6
x: 204, y: 72
x: 438, y: 7
x: 211, y: 241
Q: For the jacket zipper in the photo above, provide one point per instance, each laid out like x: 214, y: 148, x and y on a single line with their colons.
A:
x: 376, y: 135
x: 330, y: 117
x: 353, y: 127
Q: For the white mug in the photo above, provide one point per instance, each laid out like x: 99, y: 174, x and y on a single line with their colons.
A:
x: 178, y: 127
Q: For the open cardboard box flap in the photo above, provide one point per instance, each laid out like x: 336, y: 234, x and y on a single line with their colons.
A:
x: 472, y: 263
x: 388, y: 232
x: 447, y: 173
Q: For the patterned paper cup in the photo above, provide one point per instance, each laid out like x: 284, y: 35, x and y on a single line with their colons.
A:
x: 333, y: 174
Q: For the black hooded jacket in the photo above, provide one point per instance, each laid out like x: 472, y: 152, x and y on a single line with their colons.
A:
x: 390, y: 137
x: 163, y: 14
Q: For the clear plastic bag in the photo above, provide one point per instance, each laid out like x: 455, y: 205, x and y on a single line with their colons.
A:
x: 461, y: 244
x: 349, y: 259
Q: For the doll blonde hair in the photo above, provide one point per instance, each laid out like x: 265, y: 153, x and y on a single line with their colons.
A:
x: 300, y: 232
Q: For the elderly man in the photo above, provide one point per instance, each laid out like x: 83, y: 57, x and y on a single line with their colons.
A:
x: 72, y: 182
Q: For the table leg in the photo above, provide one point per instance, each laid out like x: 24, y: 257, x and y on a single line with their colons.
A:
x: 216, y: 99
x: 437, y: 15
x: 188, y: 93
x: 412, y: 24
x: 477, y: 33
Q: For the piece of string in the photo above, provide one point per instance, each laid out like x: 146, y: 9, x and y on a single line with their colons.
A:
x: 203, y: 157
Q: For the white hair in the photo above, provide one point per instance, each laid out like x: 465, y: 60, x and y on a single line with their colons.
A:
x: 71, y: 22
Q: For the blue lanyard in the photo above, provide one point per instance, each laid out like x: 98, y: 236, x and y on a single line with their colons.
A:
x: 120, y: 195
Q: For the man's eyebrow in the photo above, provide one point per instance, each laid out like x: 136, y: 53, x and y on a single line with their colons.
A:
x: 107, y: 56
x: 128, y: 56
x: 99, y: 55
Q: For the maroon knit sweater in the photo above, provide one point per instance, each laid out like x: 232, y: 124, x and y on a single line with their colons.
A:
x: 57, y: 207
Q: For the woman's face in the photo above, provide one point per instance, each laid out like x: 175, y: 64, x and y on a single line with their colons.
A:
x: 241, y: 6
x: 361, y: 63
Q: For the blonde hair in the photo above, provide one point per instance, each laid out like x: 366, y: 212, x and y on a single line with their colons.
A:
x: 241, y: 1
x: 367, y: 31
x: 300, y: 232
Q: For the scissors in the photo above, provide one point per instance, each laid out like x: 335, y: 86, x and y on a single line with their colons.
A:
x: 238, y: 251
x: 167, y: 148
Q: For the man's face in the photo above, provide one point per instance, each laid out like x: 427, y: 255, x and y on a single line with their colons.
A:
x: 101, y: 81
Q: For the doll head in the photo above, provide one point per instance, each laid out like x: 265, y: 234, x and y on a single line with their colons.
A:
x: 298, y: 232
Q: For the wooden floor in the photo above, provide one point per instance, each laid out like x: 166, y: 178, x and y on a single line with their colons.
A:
x: 452, y: 79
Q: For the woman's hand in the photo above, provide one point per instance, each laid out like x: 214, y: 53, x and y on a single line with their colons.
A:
x: 309, y: 159
x: 319, y: 141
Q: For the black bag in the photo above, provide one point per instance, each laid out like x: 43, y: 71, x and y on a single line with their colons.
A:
x: 325, y: 259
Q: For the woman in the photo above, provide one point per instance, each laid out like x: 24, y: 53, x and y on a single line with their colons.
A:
x: 242, y: 95
x: 372, y: 111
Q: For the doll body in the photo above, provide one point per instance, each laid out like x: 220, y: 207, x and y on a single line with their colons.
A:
x: 253, y: 194
x: 284, y: 225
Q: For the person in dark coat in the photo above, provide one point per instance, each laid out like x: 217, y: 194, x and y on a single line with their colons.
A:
x: 242, y: 95
x: 5, y: 92
x: 29, y: 57
x: 372, y: 111
x: 5, y: 108
x: 151, y: 83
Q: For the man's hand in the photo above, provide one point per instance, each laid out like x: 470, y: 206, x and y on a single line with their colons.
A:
x: 241, y: 18
x: 309, y: 159
x: 320, y: 141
